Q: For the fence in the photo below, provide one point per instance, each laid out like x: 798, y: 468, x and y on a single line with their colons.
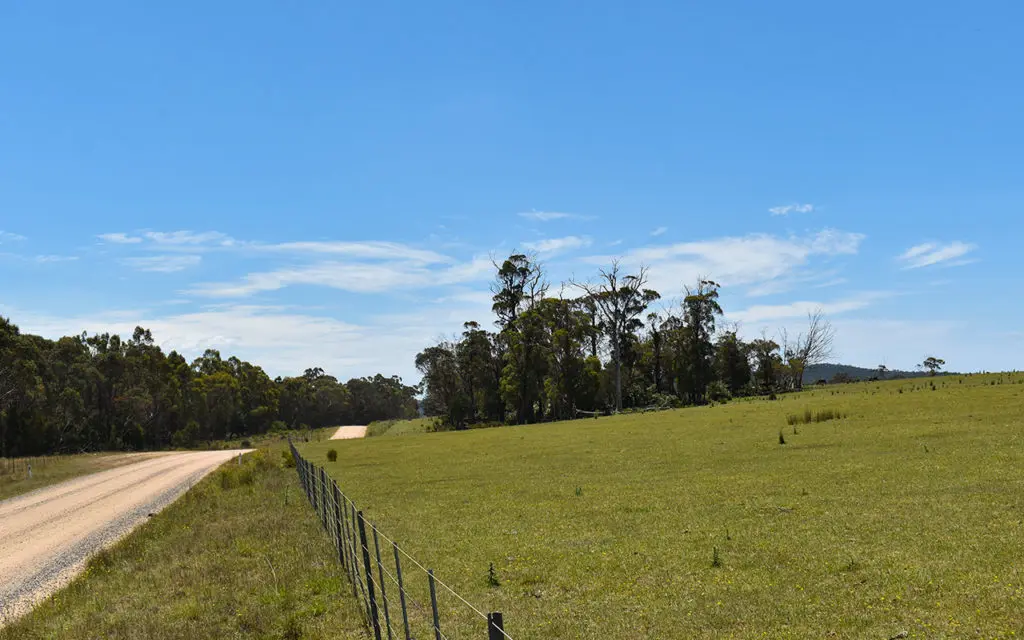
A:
x: 351, y: 534
x: 22, y: 467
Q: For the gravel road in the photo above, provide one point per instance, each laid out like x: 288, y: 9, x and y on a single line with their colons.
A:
x: 47, y: 535
x: 347, y: 433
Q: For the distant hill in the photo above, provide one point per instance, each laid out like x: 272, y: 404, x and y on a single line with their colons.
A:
x: 827, y: 371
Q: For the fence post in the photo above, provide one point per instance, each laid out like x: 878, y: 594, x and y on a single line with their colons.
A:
x: 355, y: 554
x: 338, y: 533
x: 495, y: 626
x: 374, y: 617
x: 380, y: 574
x: 323, y: 497
x: 433, y: 605
x: 350, y: 533
x: 401, y: 591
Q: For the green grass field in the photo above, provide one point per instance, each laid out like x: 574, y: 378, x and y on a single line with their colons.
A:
x: 399, y: 427
x: 241, y: 555
x: 906, y: 515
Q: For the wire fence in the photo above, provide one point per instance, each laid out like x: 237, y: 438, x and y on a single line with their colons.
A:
x: 22, y: 467
x: 396, y: 605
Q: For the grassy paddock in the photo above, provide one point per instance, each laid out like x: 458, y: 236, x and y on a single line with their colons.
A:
x: 400, y: 427
x: 903, y: 515
x: 49, y: 470
x: 241, y: 555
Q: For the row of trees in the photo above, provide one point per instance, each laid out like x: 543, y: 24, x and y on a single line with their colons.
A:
x: 596, y: 346
x: 86, y: 392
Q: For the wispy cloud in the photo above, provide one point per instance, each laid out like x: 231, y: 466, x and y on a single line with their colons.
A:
x: 172, y: 240
x: 163, y: 264
x: 367, y: 249
x: 119, y: 238
x: 929, y: 253
x: 44, y: 259
x: 548, y: 216
x: 742, y: 260
x: 357, y: 277
x: 800, y: 308
x: 558, y: 245
x: 659, y: 231
x: 787, y: 209
x: 7, y: 236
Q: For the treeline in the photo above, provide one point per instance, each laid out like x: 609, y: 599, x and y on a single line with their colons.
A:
x: 598, y: 347
x: 85, y: 393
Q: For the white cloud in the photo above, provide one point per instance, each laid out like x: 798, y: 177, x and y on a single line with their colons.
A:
x: 163, y: 264
x: 7, y: 236
x: 119, y: 238
x: 732, y: 261
x: 366, y: 249
x: 350, y: 276
x: 659, y: 231
x: 785, y: 210
x: 558, y: 245
x: 48, y: 259
x: 189, y: 238
x: 800, y: 309
x: 929, y: 253
x: 548, y: 216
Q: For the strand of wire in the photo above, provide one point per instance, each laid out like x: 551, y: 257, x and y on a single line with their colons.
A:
x: 438, y: 581
x: 425, y: 570
x: 392, y: 604
x: 402, y: 588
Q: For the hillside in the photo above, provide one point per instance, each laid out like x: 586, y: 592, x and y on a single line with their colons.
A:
x: 828, y: 370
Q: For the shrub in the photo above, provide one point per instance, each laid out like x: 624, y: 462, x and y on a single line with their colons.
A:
x: 287, y: 460
x: 809, y: 416
x: 332, y: 455
x: 719, y: 392
x: 246, y: 444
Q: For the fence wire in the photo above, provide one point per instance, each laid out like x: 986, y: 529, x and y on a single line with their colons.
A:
x: 351, y: 532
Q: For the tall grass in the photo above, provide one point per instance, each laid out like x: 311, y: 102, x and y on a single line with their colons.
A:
x: 808, y: 416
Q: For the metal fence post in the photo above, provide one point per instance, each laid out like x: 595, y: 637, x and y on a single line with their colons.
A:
x: 355, y: 554
x: 338, y: 535
x: 401, y: 591
x: 374, y: 617
x: 433, y: 605
x: 495, y: 626
x: 323, y: 497
x: 380, y: 574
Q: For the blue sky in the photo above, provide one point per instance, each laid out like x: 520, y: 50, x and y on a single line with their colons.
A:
x: 325, y: 184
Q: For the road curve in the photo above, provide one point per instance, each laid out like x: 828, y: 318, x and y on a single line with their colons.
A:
x: 47, y: 535
x: 348, y: 433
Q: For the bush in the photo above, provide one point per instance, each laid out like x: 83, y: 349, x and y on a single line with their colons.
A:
x: 287, y: 460
x: 246, y: 444
x: 332, y: 455
x: 809, y: 416
x: 718, y: 392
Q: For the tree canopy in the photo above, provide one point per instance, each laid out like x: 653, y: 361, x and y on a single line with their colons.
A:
x: 604, y: 349
x: 85, y: 393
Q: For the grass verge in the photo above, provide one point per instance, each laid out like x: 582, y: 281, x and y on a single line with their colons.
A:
x: 241, y: 555
x: 49, y: 470
x: 901, y: 517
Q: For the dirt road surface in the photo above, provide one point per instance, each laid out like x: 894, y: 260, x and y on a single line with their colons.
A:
x: 47, y: 535
x: 347, y: 433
